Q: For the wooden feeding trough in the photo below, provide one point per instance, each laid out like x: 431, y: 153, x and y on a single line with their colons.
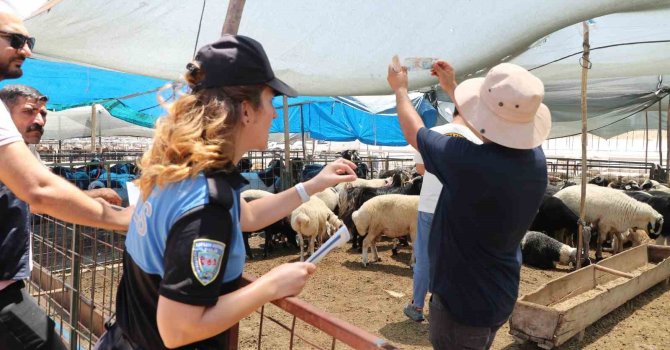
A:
x: 564, y: 307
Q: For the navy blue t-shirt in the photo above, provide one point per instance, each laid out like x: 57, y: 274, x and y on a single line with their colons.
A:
x: 490, y: 196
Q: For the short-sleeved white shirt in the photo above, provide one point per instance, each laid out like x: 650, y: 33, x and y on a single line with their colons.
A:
x: 431, y: 187
x: 8, y: 131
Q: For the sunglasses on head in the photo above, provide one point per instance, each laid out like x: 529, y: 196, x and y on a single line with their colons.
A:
x: 18, y: 41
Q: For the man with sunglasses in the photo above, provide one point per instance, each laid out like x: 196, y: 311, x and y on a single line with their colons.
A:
x: 20, y: 171
x: 42, y: 190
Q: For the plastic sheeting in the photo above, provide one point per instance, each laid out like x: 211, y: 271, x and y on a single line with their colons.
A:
x: 630, y: 56
x: 76, y: 122
x: 321, y: 47
x: 372, y: 119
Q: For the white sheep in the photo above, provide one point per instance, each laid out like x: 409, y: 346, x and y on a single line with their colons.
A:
x: 391, y: 215
x: 365, y: 182
x: 612, y: 212
x: 329, y: 196
x: 313, y: 219
x: 655, y: 185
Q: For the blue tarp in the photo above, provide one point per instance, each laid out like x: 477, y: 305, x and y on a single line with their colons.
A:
x: 70, y: 85
x: 324, y: 118
x: 336, y: 119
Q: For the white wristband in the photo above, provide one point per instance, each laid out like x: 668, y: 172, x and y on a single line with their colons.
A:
x: 301, y: 192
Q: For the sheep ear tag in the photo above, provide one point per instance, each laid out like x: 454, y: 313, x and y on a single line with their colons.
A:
x: 206, y: 258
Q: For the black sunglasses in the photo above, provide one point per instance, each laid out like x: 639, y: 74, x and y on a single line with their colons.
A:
x: 18, y: 41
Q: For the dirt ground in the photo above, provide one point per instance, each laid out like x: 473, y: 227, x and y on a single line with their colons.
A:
x: 372, y: 298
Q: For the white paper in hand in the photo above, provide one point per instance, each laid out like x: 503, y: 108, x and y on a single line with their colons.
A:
x: 133, y: 193
x: 340, y: 237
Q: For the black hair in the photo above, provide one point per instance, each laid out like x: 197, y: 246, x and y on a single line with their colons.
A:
x: 10, y: 93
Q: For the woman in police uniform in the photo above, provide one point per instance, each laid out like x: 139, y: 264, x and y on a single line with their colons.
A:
x: 184, y: 250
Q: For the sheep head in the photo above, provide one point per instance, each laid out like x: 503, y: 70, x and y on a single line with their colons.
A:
x: 654, y: 227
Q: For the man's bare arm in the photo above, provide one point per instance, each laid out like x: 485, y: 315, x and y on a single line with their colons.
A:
x: 47, y: 193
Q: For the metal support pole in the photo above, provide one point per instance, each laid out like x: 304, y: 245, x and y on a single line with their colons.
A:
x: 287, y: 147
x: 94, y: 127
x: 302, y: 134
x: 76, y: 285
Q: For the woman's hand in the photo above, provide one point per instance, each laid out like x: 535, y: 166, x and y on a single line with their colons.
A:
x: 341, y: 170
x: 287, y: 280
x: 446, y: 75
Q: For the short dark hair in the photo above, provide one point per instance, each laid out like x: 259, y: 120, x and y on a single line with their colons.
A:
x: 10, y: 93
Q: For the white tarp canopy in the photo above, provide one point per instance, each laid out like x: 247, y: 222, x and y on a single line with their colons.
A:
x: 76, y: 122
x: 343, y: 47
x: 630, y: 55
x: 321, y: 47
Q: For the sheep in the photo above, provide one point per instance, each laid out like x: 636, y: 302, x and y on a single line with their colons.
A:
x: 636, y: 236
x: 612, y: 212
x: 330, y: 197
x: 541, y: 251
x: 557, y: 220
x: 600, y: 181
x: 649, y: 185
x: 392, y: 215
x: 399, y: 176
x: 313, y: 219
x: 272, y: 231
x: 386, y: 182
x: 352, y: 198
x: 660, y: 201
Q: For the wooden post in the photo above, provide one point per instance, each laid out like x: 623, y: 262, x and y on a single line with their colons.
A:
x: 582, y: 211
x: 233, y: 17
x: 287, y: 147
x: 94, y: 122
x: 660, y: 137
x: 646, y: 138
x: 667, y: 141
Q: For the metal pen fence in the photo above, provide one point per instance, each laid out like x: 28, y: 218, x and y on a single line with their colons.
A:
x: 77, y: 270
x: 571, y: 169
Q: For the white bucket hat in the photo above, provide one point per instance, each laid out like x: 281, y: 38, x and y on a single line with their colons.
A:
x: 506, y: 106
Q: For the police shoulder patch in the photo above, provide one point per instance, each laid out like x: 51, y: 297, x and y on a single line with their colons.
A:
x: 206, y: 258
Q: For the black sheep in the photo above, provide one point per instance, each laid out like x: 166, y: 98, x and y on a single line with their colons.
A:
x: 351, y: 199
x: 556, y: 219
x: 272, y: 232
x: 541, y: 251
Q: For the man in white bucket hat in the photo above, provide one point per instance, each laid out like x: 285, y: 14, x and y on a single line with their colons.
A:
x: 490, y: 195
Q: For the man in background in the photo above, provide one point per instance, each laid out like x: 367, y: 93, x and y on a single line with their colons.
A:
x: 23, y: 324
x: 27, y: 107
